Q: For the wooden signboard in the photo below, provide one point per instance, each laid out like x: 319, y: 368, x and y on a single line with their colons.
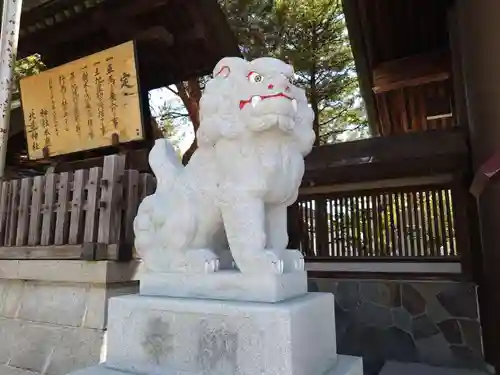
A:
x: 86, y: 104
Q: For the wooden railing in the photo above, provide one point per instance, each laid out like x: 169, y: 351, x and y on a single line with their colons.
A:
x: 85, y: 214
x: 410, y: 220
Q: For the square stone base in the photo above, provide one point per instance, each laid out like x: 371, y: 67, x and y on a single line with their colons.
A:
x: 346, y: 365
x: 225, y: 285
x: 194, y: 336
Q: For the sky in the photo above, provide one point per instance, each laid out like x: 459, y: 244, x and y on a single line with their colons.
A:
x: 185, y: 133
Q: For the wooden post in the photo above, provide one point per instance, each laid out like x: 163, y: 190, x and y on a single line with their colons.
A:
x: 476, y: 42
x: 9, y: 35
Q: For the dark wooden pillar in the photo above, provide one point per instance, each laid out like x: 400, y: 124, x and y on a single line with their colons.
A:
x: 476, y: 44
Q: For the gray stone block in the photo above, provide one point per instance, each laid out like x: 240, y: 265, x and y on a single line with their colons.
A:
x: 11, y: 292
x: 62, y: 304
x: 295, y: 337
x: 8, y: 370
x: 225, y: 285
x: 96, y: 310
x: 77, y: 349
x: 47, y: 348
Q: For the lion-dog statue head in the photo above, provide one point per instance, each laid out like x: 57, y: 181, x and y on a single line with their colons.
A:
x: 238, y: 100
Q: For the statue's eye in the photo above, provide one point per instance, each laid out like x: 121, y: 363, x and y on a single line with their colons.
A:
x: 255, y: 77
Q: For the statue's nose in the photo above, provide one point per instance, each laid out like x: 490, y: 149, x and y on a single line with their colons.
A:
x: 286, y: 87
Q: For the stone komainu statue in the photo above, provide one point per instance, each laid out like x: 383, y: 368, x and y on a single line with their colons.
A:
x: 228, y: 205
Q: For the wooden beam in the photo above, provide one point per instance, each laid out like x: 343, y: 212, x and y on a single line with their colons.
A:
x: 364, y: 172
x: 396, y: 147
x: 411, y: 71
x: 361, y: 59
x: 99, y: 18
x: 67, y: 252
x: 394, y: 183
x: 407, y: 155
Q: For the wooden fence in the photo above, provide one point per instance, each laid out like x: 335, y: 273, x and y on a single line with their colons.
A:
x: 85, y: 214
x: 409, y: 222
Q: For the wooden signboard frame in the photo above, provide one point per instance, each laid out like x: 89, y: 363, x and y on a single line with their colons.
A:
x: 87, y: 104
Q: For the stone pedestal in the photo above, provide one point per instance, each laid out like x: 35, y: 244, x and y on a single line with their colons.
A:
x: 171, y: 335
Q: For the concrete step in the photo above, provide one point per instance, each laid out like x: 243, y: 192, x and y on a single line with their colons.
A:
x: 397, y: 368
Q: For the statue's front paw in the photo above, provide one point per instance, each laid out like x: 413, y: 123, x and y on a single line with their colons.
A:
x: 201, y: 261
x: 272, y: 262
x: 265, y: 262
x: 293, y: 261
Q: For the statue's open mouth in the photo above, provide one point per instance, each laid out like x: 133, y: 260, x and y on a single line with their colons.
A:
x: 256, y: 99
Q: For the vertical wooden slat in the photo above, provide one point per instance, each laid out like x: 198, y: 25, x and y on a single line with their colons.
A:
x: 347, y: 226
x: 368, y: 224
x: 314, y: 228
x: 300, y: 226
x: 110, y: 209
x: 423, y: 224
x: 436, y: 224
x: 132, y: 199
x: 24, y: 212
x: 403, y: 225
x: 433, y: 233
x: 340, y: 227
x: 37, y: 195
x: 395, y: 246
x: 362, y: 218
x: 15, y: 184
x: 450, y: 221
x: 307, y: 225
x: 331, y: 221
x: 375, y: 230
x: 93, y: 195
x: 119, y: 214
x: 62, y: 205
x: 359, y: 225
x: 387, y: 248
x: 320, y: 217
x: 3, y: 210
x: 442, y: 221
x: 146, y: 185
x: 76, y: 218
x: 8, y: 210
x: 413, y: 222
x: 305, y: 215
x: 48, y: 210
x: 354, y: 226
x: 338, y: 239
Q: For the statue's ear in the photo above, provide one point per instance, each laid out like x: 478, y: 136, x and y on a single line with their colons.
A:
x: 228, y: 66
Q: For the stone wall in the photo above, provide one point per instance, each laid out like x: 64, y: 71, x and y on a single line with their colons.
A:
x: 53, y: 313
x: 434, y: 322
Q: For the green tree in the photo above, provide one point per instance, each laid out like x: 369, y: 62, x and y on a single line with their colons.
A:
x: 312, y: 36
x: 26, y: 67
x: 163, y: 117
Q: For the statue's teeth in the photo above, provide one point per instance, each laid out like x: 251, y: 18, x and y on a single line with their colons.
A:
x: 256, y: 100
x: 294, y: 103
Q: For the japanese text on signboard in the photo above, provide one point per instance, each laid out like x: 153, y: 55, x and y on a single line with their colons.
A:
x: 83, y: 105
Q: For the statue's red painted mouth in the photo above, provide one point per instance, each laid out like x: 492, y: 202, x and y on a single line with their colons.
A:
x: 256, y: 99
